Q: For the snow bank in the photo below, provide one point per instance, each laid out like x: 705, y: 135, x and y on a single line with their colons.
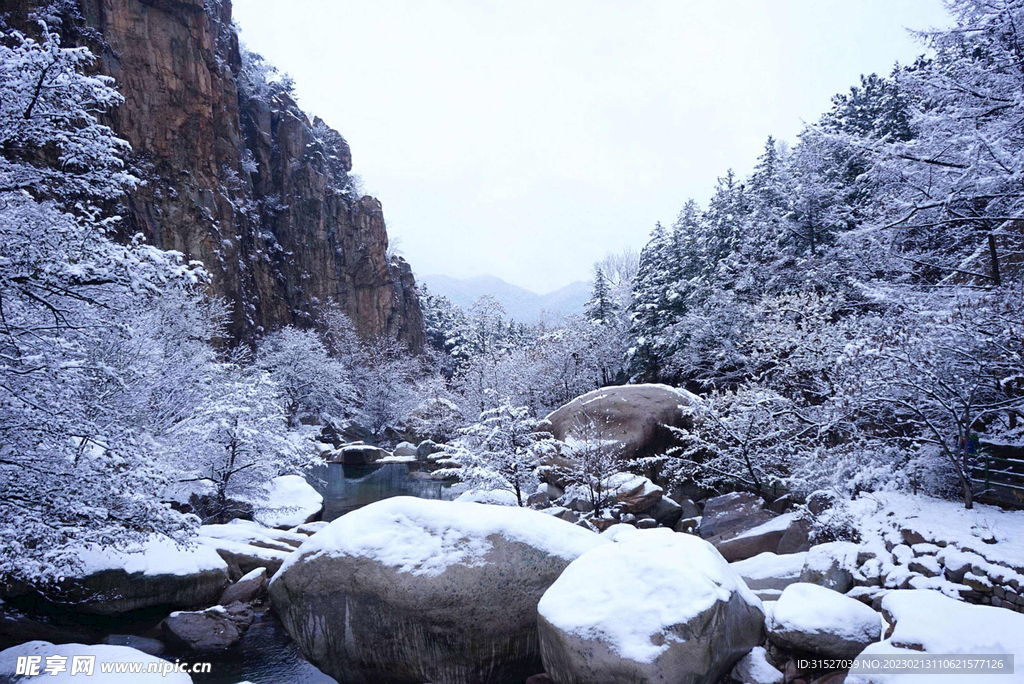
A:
x: 103, y: 654
x: 249, y: 532
x: 424, y: 537
x: 289, y: 501
x: 945, y: 522
x: 927, y: 621
x: 158, y: 555
x: 494, y: 497
x: 630, y: 593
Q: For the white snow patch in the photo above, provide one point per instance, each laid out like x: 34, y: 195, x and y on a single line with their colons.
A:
x: 158, y: 555
x: 930, y: 622
x: 425, y: 537
x: 629, y: 594
x: 290, y: 501
x: 494, y: 497
x: 768, y: 569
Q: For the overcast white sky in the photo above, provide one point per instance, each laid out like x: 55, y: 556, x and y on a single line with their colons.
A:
x: 527, y: 138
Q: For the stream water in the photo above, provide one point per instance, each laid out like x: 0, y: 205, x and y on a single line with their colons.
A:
x: 266, y: 654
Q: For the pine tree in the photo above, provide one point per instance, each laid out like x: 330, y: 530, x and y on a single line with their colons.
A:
x: 600, y: 308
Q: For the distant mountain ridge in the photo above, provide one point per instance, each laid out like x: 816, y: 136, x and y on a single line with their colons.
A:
x: 520, y: 304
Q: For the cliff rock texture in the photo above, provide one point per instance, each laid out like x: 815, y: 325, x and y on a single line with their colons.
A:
x: 237, y: 176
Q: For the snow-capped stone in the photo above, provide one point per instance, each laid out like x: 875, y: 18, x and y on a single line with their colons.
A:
x: 733, y: 513
x: 763, y: 538
x: 812, y: 619
x: 754, y: 668
x: 357, y: 454
x: 494, y: 497
x: 831, y: 565
x: 157, y: 572
x: 247, y: 588
x: 207, y: 631
x: 927, y: 622
x: 244, y: 558
x: 634, y: 493
x: 654, y: 606
x: 417, y: 590
x: 103, y: 653
x: 767, y: 574
x: 254, y: 534
x: 289, y: 501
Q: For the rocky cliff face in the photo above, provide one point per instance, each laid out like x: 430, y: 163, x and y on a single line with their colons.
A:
x: 237, y: 176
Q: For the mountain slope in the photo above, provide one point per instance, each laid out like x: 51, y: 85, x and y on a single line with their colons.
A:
x: 520, y: 304
x: 235, y: 174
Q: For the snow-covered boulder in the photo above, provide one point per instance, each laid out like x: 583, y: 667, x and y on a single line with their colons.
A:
x: 157, y: 572
x: 207, y: 631
x: 655, y: 606
x: 433, y: 591
x: 494, y: 497
x: 163, y: 671
x: 767, y: 574
x: 754, y: 668
x: 924, y: 621
x: 634, y: 415
x: 289, y: 501
x: 812, y: 619
x: 254, y: 534
x: 732, y: 513
x: 761, y: 539
x: 831, y: 565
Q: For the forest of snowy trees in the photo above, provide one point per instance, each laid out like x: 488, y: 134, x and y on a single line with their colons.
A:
x: 851, y: 314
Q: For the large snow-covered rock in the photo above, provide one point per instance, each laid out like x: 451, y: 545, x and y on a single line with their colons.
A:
x: 162, y: 671
x: 767, y: 574
x: 289, y: 501
x: 812, y: 619
x: 244, y: 558
x: 925, y: 621
x: 411, y: 590
x: 157, y: 572
x: 634, y: 415
x: 654, y: 606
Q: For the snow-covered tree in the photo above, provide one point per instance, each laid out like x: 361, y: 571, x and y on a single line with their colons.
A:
x: 591, y: 460
x: 313, y: 382
x: 501, y: 451
x: 237, y: 440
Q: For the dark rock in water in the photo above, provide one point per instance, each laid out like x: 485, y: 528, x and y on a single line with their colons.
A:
x: 114, y: 592
x: 17, y: 627
x: 358, y: 455
x: 248, y: 588
x: 153, y: 647
x: 426, y: 591
x: 732, y: 513
x: 208, y: 631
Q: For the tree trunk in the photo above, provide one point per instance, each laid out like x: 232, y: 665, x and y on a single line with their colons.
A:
x: 994, y: 256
